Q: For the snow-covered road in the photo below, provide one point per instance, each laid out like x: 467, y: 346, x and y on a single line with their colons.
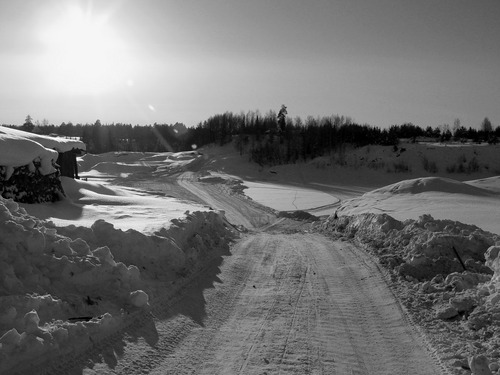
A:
x: 299, y: 304
x: 281, y: 302
x: 238, y: 209
x: 295, y: 304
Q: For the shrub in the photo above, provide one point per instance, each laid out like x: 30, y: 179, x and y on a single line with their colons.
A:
x: 462, y: 167
x: 473, y: 166
x: 376, y: 165
x: 430, y: 166
x: 401, y: 167
x: 27, y: 186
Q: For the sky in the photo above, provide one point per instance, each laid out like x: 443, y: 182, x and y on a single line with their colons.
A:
x: 381, y: 62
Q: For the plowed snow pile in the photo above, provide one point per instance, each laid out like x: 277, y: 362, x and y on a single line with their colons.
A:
x: 64, y: 289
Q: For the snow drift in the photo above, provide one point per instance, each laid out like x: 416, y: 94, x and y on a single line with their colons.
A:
x: 426, y: 184
x: 420, y: 248
x: 471, y: 202
x: 64, y: 289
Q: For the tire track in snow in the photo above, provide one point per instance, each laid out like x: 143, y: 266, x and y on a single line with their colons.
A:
x: 374, y: 323
x: 296, y: 304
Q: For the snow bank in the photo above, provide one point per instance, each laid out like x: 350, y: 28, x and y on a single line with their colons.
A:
x: 426, y: 184
x: 419, y: 249
x: 447, y: 275
x: 164, y: 254
x: 487, y: 313
x: 64, y: 289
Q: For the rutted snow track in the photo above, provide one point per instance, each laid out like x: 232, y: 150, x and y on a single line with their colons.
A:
x: 238, y: 210
x: 307, y: 305
x: 280, y: 303
x: 291, y: 304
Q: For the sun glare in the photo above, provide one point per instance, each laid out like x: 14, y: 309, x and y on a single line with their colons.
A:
x: 83, y: 55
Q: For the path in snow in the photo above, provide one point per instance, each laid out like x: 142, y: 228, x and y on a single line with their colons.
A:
x: 300, y: 304
x: 296, y: 304
x: 292, y: 303
x: 238, y: 209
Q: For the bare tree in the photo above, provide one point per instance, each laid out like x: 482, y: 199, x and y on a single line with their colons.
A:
x: 486, y: 125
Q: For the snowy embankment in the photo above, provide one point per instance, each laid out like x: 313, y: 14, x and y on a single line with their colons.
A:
x: 64, y: 289
x: 83, y: 274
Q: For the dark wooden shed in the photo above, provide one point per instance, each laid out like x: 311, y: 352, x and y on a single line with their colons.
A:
x: 67, y: 163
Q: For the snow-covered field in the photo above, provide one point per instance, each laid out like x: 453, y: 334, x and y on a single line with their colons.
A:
x: 77, y: 271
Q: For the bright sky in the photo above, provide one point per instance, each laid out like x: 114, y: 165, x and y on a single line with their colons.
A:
x: 381, y: 62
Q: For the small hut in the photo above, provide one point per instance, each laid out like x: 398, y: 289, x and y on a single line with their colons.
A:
x: 67, y: 163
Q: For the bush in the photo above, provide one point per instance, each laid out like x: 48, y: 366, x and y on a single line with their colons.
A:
x: 401, y: 167
x: 451, y: 168
x: 27, y: 186
x: 463, y: 167
x: 376, y: 165
x: 430, y: 166
x: 473, y: 166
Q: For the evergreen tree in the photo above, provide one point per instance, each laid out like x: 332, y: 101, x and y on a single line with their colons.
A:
x: 28, y: 125
x: 282, y: 118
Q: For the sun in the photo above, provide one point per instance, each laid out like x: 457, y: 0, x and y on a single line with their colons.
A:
x: 83, y: 53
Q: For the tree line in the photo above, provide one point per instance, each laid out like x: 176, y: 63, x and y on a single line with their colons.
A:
x: 274, y: 138
x: 101, y: 138
x: 271, y: 138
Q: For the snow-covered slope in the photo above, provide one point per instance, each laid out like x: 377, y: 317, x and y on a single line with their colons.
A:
x: 430, y: 184
x: 472, y: 203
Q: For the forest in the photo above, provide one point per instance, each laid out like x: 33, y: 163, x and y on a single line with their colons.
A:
x: 273, y: 138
